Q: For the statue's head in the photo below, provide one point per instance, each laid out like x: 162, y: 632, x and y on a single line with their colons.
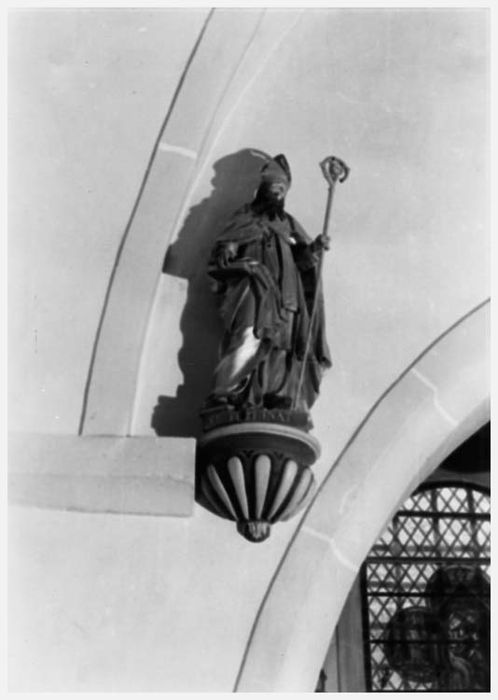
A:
x: 254, y: 530
x: 275, y: 183
x: 276, y: 174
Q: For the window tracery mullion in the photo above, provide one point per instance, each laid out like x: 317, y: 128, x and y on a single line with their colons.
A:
x: 473, y: 522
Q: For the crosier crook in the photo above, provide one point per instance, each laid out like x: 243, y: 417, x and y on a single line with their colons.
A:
x: 334, y: 170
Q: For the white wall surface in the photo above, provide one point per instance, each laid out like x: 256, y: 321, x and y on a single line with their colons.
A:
x: 126, y: 603
x: 130, y: 603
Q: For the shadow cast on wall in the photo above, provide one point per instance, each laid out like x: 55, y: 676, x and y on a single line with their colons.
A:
x: 236, y: 177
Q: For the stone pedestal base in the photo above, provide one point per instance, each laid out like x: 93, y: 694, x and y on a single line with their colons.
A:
x: 256, y: 474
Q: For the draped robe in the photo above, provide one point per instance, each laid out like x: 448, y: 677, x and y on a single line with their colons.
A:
x: 265, y: 271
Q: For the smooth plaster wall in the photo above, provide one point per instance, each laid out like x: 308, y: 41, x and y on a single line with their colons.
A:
x: 126, y: 603
x: 137, y: 603
x: 88, y: 92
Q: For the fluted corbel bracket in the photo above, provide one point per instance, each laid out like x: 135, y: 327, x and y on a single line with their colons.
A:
x: 256, y: 474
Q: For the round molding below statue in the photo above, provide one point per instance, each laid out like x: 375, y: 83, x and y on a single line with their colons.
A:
x: 256, y: 474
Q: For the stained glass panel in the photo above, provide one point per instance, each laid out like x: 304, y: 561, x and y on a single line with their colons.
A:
x: 426, y: 592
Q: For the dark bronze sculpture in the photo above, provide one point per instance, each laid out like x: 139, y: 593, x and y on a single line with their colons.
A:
x: 255, y: 456
x: 265, y: 267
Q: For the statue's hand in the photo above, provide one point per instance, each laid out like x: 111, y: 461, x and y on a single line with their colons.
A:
x: 226, y: 254
x: 321, y: 242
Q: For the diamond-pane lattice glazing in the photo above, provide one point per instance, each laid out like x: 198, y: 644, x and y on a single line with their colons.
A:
x: 439, y: 532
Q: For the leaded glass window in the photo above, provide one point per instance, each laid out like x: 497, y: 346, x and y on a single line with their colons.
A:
x: 425, y: 587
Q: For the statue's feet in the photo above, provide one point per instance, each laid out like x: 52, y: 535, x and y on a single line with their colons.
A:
x: 216, y: 401
x: 231, y: 400
x: 276, y: 401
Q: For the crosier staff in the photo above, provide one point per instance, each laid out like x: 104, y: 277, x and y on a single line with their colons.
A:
x: 334, y: 170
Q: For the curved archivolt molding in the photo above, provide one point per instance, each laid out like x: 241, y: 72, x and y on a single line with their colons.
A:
x: 437, y: 402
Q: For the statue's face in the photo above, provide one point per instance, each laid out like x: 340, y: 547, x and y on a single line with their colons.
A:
x: 277, y: 189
